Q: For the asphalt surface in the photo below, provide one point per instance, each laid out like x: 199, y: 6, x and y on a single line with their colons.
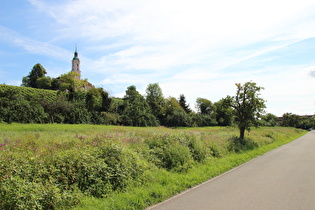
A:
x: 280, y: 179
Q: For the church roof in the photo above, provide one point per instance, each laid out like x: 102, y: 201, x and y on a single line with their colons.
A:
x: 76, y: 56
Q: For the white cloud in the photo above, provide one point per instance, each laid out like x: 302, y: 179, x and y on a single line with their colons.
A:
x: 31, y: 45
x: 310, y: 71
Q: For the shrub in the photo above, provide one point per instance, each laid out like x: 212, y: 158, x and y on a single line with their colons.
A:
x: 124, y: 166
x: 239, y: 145
x: 172, y: 152
x: 198, y: 149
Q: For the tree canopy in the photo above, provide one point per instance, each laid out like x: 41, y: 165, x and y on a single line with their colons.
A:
x: 36, y: 73
x: 183, y: 103
x: 156, y: 101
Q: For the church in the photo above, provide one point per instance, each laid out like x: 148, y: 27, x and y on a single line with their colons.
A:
x: 76, y: 68
x: 76, y: 63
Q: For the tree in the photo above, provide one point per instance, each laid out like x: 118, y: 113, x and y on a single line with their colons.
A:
x: 156, y: 101
x: 93, y: 99
x: 293, y: 120
x: 183, y: 103
x: 175, y: 114
x: 136, y: 109
x: 71, y: 82
x: 206, y: 112
x: 290, y: 120
x: 37, y: 72
x: 269, y: 120
x: 224, y: 113
x: 173, y: 105
x: 204, y: 106
x: 247, y: 105
x: 44, y: 83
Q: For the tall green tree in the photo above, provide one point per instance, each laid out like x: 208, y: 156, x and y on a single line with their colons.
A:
x: 247, y: 105
x: 36, y: 73
x: 136, y: 109
x: 183, y: 103
x: 156, y: 101
x: 175, y: 114
x: 224, y: 113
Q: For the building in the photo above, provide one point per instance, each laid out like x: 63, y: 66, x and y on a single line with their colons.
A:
x: 76, y: 64
x: 76, y: 68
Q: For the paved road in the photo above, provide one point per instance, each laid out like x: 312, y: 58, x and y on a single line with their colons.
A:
x: 281, y: 179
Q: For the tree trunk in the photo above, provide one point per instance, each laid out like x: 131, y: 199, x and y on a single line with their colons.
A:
x: 242, y: 133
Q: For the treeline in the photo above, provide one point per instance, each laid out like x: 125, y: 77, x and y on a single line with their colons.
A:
x: 68, y: 99
x: 293, y: 120
x: 95, y: 106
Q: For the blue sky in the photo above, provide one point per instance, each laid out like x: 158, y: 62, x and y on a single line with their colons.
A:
x: 198, y: 48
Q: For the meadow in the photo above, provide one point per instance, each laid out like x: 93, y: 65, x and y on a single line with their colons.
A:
x: 55, y: 166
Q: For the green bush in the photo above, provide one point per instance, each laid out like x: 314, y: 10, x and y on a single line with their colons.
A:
x: 175, y: 152
x: 123, y: 165
x: 198, y: 149
x: 240, y: 145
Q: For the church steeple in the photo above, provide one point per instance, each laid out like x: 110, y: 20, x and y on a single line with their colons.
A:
x: 76, y: 62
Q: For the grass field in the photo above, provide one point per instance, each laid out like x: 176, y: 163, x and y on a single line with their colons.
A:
x: 114, y: 167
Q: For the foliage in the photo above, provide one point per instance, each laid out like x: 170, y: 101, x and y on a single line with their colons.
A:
x: 36, y: 73
x: 224, y: 113
x: 15, y: 108
x: 59, y: 166
x: 247, y: 105
x: 269, y: 120
x: 136, y: 110
x: 178, y: 118
x: 156, y: 101
x: 293, y: 120
x: 28, y: 92
x: 44, y: 83
x: 205, y: 106
x: 182, y: 102
x: 30, y: 105
x: 71, y: 82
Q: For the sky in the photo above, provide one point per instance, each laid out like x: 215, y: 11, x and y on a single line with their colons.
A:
x: 199, y: 48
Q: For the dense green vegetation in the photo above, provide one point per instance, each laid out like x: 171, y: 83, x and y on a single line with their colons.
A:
x: 116, y: 167
x: 95, y: 106
x: 76, y: 101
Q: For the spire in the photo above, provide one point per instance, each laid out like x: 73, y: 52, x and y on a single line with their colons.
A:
x: 76, y: 52
x: 76, y: 62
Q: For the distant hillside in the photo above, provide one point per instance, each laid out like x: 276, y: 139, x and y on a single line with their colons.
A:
x: 28, y: 92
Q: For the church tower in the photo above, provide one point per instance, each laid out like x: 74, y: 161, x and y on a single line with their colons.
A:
x: 76, y: 63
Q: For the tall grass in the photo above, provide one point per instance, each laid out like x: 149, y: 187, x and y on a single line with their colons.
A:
x: 112, y: 167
